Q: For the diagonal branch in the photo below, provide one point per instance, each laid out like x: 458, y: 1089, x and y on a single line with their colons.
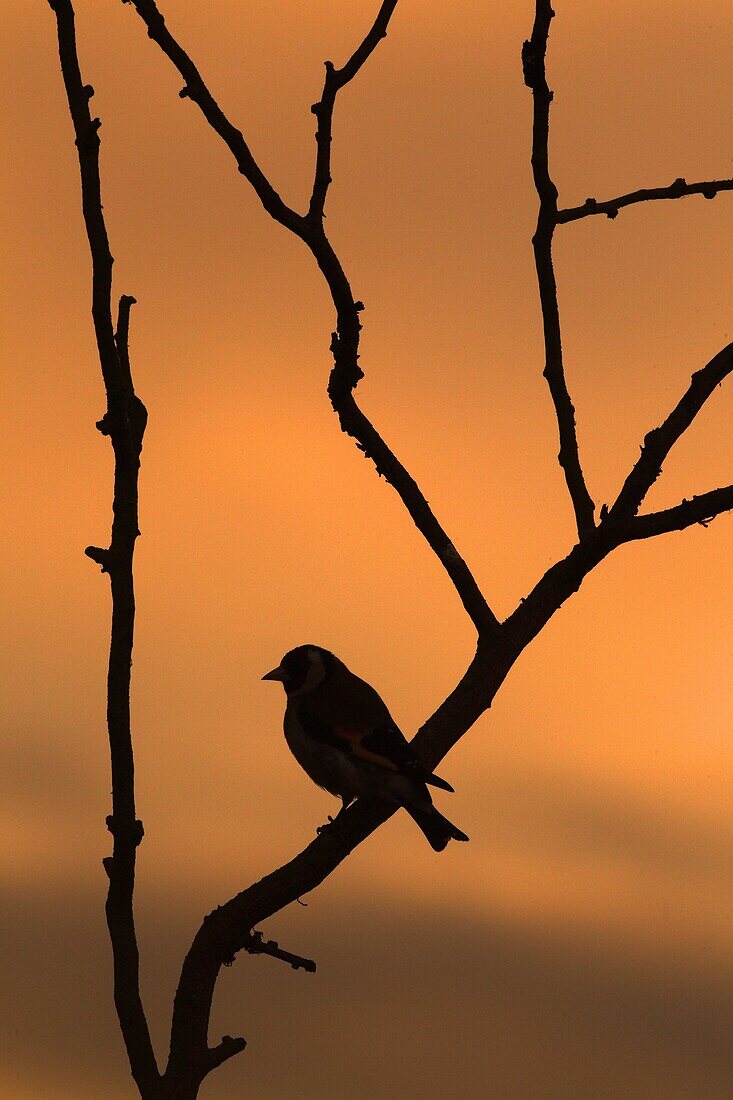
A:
x: 659, y: 442
x: 701, y: 509
x: 195, y: 89
x: 610, y: 207
x: 345, y: 342
x: 356, y: 424
x: 124, y: 421
x: 533, y: 62
x: 226, y: 930
x: 323, y: 110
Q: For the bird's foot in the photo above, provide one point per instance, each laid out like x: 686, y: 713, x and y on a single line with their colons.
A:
x: 323, y: 828
x: 331, y: 826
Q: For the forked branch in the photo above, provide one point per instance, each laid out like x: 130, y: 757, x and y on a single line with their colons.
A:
x: 345, y: 341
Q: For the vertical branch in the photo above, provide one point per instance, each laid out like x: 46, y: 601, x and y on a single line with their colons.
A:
x: 323, y: 110
x: 533, y: 62
x: 124, y: 423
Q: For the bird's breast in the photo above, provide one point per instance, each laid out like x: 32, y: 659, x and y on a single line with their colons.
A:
x: 340, y: 772
x: 321, y: 762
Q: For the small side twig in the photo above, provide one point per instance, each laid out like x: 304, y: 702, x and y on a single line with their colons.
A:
x: 610, y: 207
x: 700, y: 509
x: 256, y: 945
x: 659, y: 442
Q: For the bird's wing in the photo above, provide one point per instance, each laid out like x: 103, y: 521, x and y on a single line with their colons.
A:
x: 384, y: 746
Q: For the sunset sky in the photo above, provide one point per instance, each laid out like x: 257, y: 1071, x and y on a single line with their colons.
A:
x: 579, y: 946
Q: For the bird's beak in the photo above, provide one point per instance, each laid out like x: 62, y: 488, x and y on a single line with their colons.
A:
x: 276, y: 674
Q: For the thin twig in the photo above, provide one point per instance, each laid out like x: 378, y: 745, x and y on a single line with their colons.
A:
x: 256, y: 945
x: 195, y: 89
x: 610, y: 207
x: 124, y: 422
x: 659, y: 442
x: 701, y: 509
x: 323, y: 110
x: 533, y: 62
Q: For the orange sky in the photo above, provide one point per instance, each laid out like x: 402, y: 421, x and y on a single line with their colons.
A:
x: 579, y: 945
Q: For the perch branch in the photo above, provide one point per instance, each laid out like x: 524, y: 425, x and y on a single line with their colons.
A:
x: 345, y: 341
x: 610, y: 207
x: 124, y: 422
x: 533, y: 62
x: 226, y: 930
x: 659, y: 442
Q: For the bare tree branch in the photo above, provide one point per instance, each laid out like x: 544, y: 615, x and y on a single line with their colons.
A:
x: 259, y: 946
x: 124, y: 422
x: 225, y: 931
x: 229, y: 928
x: 354, y: 422
x: 323, y: 110
x: 533, y: 62
x: 345, y: 341
x: 659, y: 442
x: 701, y: 509
x: 610, y: 207
x: 195, y: 89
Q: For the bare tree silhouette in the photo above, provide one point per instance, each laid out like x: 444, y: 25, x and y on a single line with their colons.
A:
x: 231, y: 927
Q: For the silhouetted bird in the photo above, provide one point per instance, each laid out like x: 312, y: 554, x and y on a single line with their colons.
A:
x: 343, y: 736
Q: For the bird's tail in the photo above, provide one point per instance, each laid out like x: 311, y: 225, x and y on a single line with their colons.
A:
x: 438, y: 829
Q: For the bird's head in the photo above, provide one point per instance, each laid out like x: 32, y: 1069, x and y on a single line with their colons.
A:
x: 303, y: 669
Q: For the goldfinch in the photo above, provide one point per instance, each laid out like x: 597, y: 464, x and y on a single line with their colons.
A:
x: 343, y: 736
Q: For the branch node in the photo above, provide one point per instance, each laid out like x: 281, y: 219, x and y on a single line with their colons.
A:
x: 88, y: 136
x: 100, y: 556
x: 227, y: 1048
x: 184, y: 93
x: 529, y: 63
x: 131, y: 831
x: 88, y: 91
